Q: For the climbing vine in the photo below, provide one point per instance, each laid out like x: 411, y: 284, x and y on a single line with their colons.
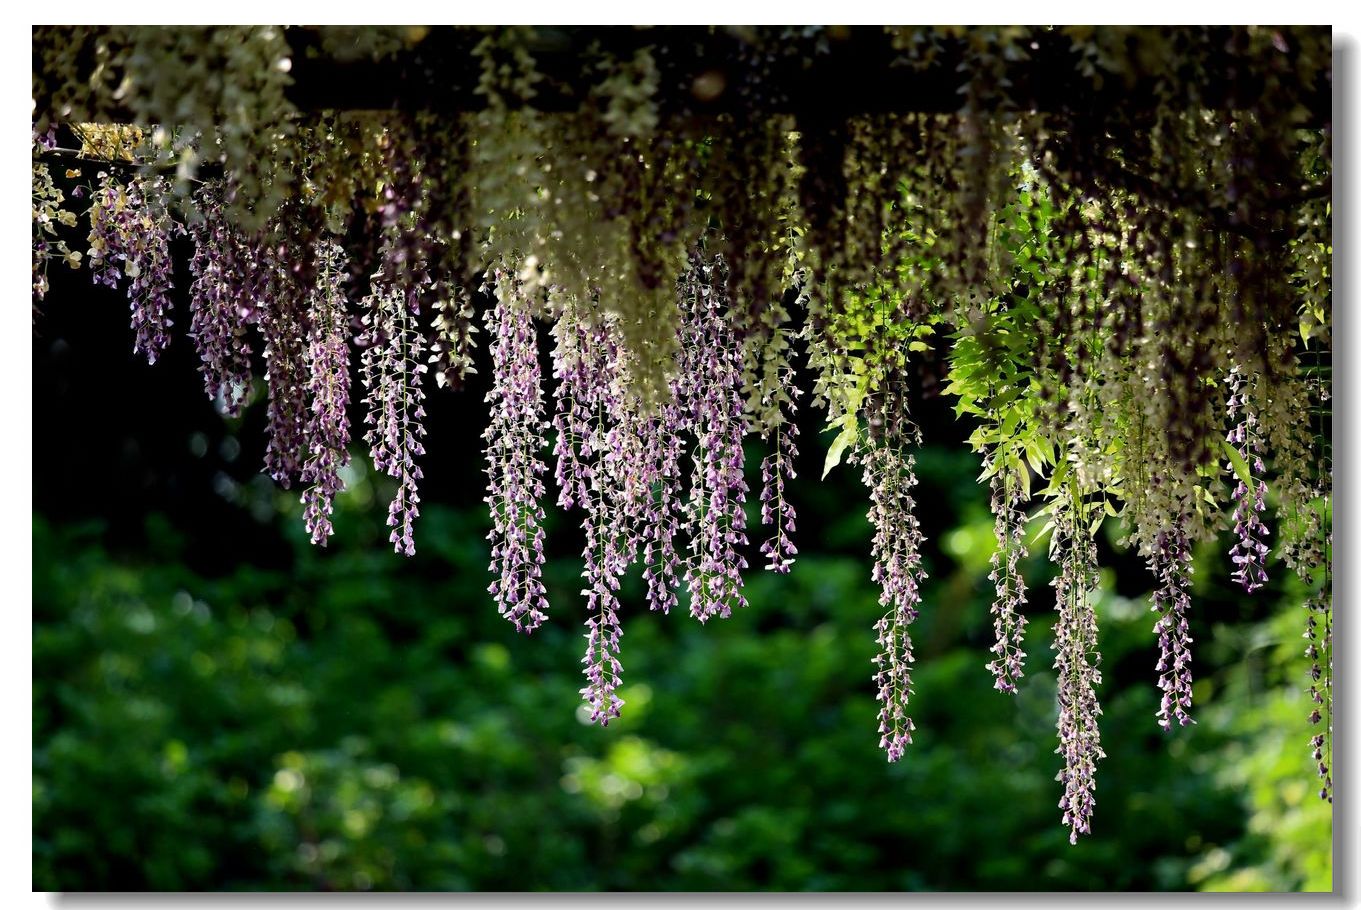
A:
x: 1132, y: 301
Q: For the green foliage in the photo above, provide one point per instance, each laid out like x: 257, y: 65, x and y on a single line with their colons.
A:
x: 363, y: 722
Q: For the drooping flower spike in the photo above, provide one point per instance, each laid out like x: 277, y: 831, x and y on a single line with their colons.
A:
x: 708, y: 393
x: 1076, y: 662
x: 222, y: 302
x: 515, y: 466
x: 1249, y: 552
x: 889, y: 473
x: 328, y: 423
x: 593, y: 474
x: 1172, y: 601
x: 1010, y: 591
x: 394, y: 367
x: 130, y: 233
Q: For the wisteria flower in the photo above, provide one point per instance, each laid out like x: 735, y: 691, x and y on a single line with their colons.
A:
x: 393, y: 368
x: 328, y: 387
x: 130, y: 232
x: 515, y: 468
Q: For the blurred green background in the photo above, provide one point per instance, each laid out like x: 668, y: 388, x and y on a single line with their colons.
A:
x: 220, y: 705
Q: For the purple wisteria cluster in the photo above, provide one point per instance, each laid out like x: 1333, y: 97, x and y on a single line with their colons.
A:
x: 776, y: 393
x: 890, y: 475
x: 405, y: 254
x: 619, y: 462
x: 581, y: 387
x: 515, y: 467
x: 776, y: 509
x: 1249, y: 552
x: 708, y: 393
x: 596, y: 472
x: 221, y: 303
x: 392, y: 369
x: 1171, y: 563
x: 1008, y: 621
x: 1076, y: 662
x: 660, y: 523
x: 1319, y: 633
x: 130, y: 233
x: 328, y: 388
x: 283, y: 323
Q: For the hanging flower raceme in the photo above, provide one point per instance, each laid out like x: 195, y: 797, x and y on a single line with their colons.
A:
x: 393, y: 367
x: 596, y: 473
x: 1171, y: 563
x: 221, y: 303
x: 515, y: 467
x: 776, y: 509
x: 1076, y: 662
x: 659, y: 524
x: 130, y: 231
x: 451, y: 352
x: 598, y: 470
x: 328, y: 392
x: 578, y: 373
x: 47, y: 216
x: 406, y: 252
x: 773, y: 403
x: 708, y: 392
x: 1319, y: 633
x: 1008, y: 621
x: 1249, y: 552
x: 889, y: 473
x: 632, y: 469
x: 282, y: 322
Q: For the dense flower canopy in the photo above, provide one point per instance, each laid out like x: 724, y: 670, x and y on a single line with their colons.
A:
x: 1116, y: 240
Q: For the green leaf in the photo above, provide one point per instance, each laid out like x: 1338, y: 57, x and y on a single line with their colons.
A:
x: 847, y: 436
x: 1035, y: 455
x: 1240, y: 467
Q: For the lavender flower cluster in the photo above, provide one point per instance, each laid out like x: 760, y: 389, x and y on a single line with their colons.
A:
x: 405, y: 255
x: 221, y: 303
x: 580, y: 387
x: 1171, y: 563
x: 620, y: 462
x: 594, y: 471
x: 1076, y: 662
x: 775, y: 393
x: 1008, y: 621
x: 708, y: 392
x: 776, y: 509
x: 328, y: 388
x: 1320, y: 654
x: 130, y: 232
x: 393, y: 364
x: 890, y: 475
x: 283, y: 323
x: 1249, y: 552
x: 514, y: 439
x: 660, y: 522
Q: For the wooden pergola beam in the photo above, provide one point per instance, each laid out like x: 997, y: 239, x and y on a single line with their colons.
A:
x: 845, y: 72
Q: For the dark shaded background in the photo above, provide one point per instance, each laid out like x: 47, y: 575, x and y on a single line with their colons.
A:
x: 219, y: 705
